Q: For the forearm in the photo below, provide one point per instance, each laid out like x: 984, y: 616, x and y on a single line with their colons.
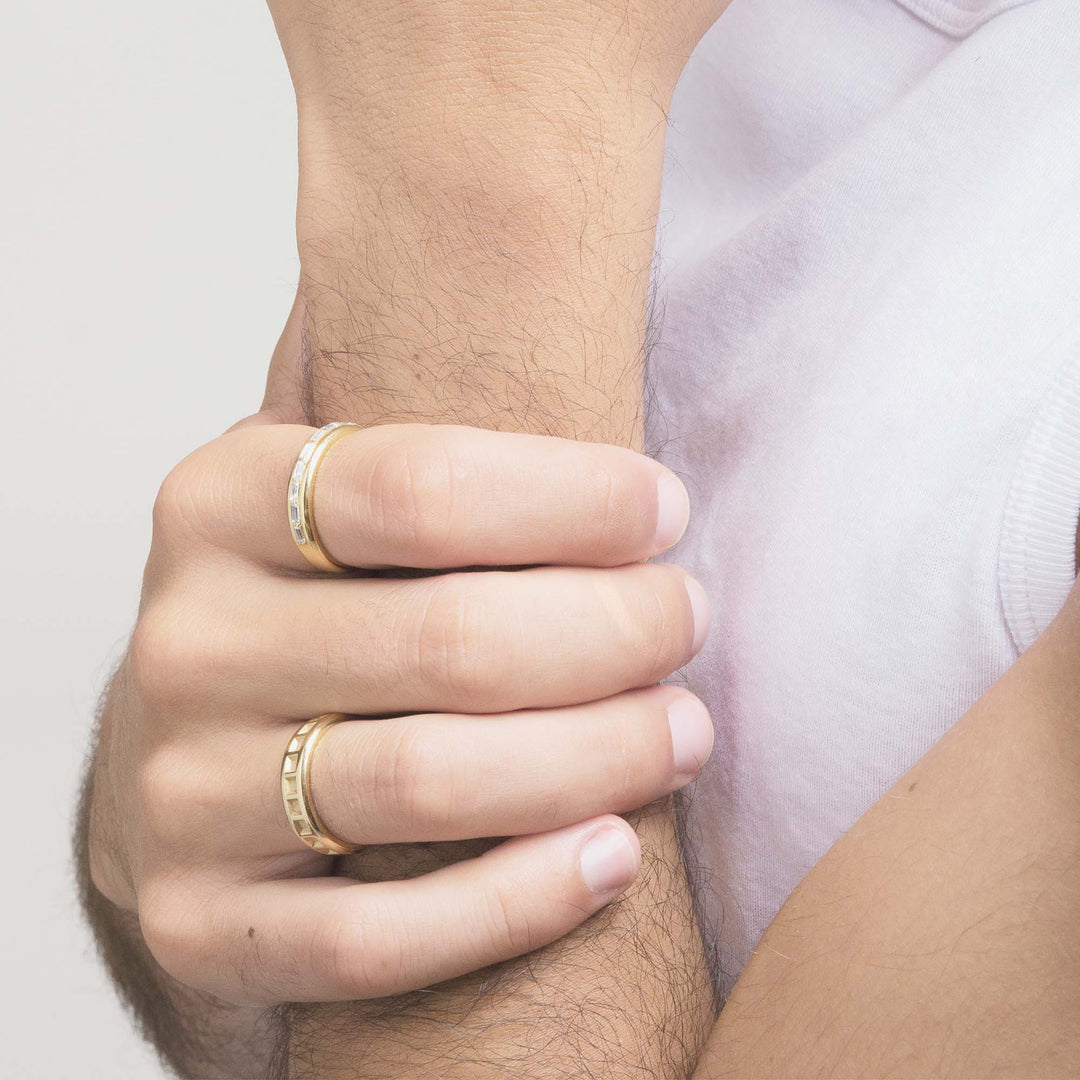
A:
x: 625, y: 995
x: 478, y: 198
x: 476, y: 223
x: 938, y: 937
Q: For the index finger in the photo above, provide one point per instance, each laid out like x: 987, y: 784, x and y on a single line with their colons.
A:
x: 444, y: 497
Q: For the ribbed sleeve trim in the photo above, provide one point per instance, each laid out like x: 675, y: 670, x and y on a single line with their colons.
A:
x: 1036, y: 560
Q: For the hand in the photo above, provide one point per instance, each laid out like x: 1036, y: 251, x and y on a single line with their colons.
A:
x: 527, y: 698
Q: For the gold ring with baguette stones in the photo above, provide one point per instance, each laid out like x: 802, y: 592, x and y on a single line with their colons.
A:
x: 301, y: 500
x: 296, y: 788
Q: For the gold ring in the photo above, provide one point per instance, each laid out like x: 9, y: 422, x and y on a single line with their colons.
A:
x: 296, y: 788
x: 301, y: 501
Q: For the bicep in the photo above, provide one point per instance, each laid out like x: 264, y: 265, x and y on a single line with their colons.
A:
x: 937, y: 936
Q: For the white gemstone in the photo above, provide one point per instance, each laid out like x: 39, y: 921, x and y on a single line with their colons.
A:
x: 300, y: 537
x: 294, y: 513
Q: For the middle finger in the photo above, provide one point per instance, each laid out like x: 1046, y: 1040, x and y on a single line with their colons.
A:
x: 480, y: 642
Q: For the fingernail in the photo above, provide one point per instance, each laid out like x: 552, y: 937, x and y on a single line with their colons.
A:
x: 672, y: 511
x: 609, y: 861
x: 699, y: 605
x: 691, y: 735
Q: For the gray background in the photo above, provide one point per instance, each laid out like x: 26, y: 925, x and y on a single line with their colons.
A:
x: 147, y: 263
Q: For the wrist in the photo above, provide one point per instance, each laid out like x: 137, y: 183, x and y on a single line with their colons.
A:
x: 473, y: 269
x: 460, y: 52
x: 478, y: 196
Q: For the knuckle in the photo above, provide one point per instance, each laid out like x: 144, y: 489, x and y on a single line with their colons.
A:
x: 399, y: 782
x: 169, y: 791
x: 107, y: 877
x: 197, y: 496
x: 454, y: 642
x: 185, y: 648
x: 418, y: 780
x: 633, y: 606
x: 166, y: 657
x: 412, y: 495
x: 179, y: 499
x: 185, y: 934
x: 364, y: 957
x: 156, y: 668
x: 655, y: 634
x: 624, y: 760
x: 174, y: 932
x: 109, y: 851
x: 612, y: 513
x: 506, y: 917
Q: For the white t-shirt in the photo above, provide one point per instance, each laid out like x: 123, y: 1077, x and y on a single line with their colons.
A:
x: 868, y: 373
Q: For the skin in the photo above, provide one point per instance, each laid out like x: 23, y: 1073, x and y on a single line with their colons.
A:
x: 477, y: 206
x: 478, y: 249
x: 761, y: 1033
x: 484, y: 283
x: 540, y: 329
x: 232, y: 625
x: 938, y: 936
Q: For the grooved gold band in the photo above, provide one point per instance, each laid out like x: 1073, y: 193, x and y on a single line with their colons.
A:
x: 296, y: 787
x: 301, y: 499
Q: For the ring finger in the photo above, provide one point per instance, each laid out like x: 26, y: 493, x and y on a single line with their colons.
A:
x: 454, y: 777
